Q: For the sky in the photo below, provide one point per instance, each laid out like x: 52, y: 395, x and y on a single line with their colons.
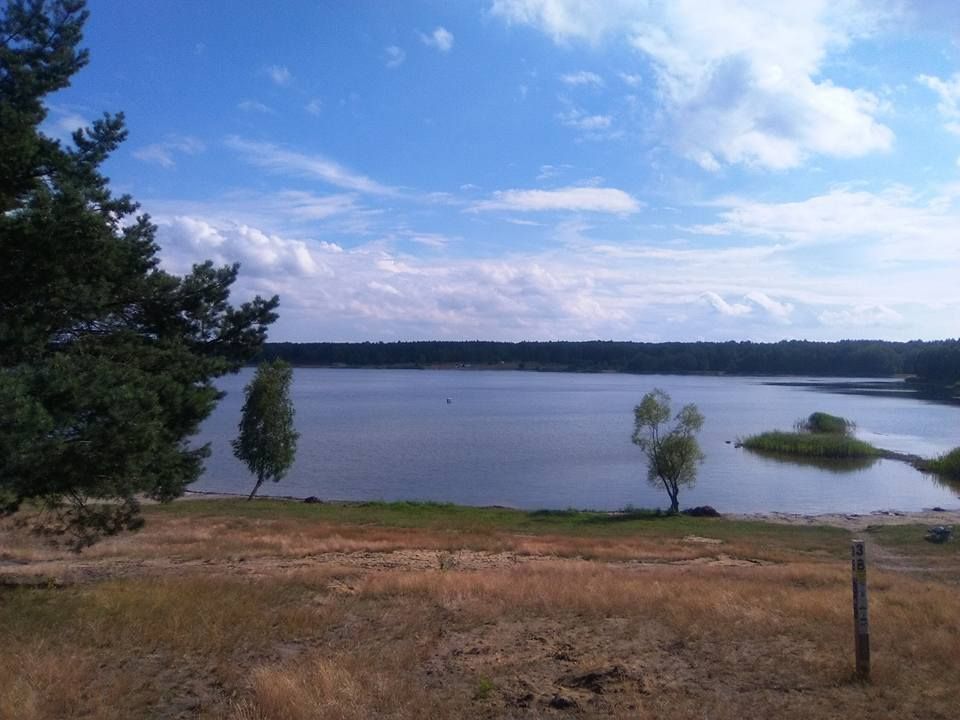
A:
x: 546, y: 169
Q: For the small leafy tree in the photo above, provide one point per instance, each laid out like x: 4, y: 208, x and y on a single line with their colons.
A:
x: 673, y: 453
x: 267, y: 442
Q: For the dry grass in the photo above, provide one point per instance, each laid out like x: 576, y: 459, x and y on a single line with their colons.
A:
x: 348, y: 686
x: 285, y: 619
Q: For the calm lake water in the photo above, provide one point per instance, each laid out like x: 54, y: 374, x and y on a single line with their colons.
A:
x: 558, y: 440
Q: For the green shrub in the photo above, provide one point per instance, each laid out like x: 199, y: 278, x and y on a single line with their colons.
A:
x: 821, y: 422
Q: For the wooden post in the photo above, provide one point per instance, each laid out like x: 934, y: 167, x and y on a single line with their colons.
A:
x: 861, y: 620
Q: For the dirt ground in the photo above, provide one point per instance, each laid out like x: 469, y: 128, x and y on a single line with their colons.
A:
x: 856, y: 522
x: 239, y: 619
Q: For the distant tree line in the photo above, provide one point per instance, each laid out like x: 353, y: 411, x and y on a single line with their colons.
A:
x: 937, y: 361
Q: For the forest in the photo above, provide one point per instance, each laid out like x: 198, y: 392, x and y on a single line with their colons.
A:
x: 930, y: 361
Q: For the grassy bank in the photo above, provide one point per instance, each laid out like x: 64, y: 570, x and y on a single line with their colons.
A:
x: 947, y: 465
x: 479, y: 524
x: 272, y: 610
x: 816, y: 445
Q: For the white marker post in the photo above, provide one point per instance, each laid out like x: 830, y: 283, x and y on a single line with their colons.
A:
x: 861, y: 621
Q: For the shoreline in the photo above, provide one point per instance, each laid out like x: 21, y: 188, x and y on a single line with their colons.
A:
x: 848, y: 521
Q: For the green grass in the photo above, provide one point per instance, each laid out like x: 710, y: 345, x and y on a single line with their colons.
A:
x: 947, y: 464
x: 821, y: 422
x: 817, y: 445
x: 909, y: 539
x: 464, y: 519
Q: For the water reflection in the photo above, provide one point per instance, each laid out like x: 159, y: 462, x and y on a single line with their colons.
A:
x: 877, y: 388
x: 944, y: 481
x: 834, y: 465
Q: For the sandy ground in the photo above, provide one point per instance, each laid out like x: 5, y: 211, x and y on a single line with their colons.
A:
x: 854, y: 522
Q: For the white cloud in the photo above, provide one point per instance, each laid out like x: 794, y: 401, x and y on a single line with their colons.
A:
x: 631, y: 79
x: 581, y: 121
x: 949, y: 93
x: 440, y: 38
x: 588, y: 199
x: 725, y: 308
x: 395, y: 56
x: 583, y: 77
x: 431, y: 240
x: 273, y: 157
x: 185, y: 239
x: 568, y: 19
x: 574, y: 289
x: 314, y: 107
x: 888, y: 226
x: 279, y: 75
x: 163, y: 153
x: 63, y: 121
x: 779, y: 310
x: 741, y: 81
x: 255, y: 106
x: 307, y: 206
x: 861, y: 316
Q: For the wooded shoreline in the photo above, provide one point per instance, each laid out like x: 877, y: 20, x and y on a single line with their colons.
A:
x: 927, y: 363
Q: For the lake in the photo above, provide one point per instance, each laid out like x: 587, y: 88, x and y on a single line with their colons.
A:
x: 558, y: 440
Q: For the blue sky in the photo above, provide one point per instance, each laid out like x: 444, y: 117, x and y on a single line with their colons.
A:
x: 547, y: 169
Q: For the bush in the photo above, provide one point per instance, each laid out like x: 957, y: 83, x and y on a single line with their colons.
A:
x: 702, y: 511
x: 821, y: 422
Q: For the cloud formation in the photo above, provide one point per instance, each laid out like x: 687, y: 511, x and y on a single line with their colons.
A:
x: 583, y: 77
x: 579, y: 288
x: 262, y: 253
x: 163, y: 153
x: 740, y: 81
x: 255, y: 106
x: 279, y: 75
x: 893, y: 225
x: 395, y: 56
x: 440, y: 38
x: 948, y: 92
x: 585, y: 199
x: 275, y: 158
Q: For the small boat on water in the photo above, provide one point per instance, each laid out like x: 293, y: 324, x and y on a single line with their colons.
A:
x: 449, y: 401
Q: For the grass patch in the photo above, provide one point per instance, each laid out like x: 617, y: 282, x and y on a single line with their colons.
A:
x: 947, y: 465
x: 909, y: 539
x: 817, y: 445
x: 465, y: 520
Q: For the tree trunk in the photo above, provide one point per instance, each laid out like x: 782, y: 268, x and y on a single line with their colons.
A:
x: 674, y: 493
x: 255, y: 488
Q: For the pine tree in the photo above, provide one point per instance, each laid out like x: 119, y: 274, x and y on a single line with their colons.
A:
x: 106, y: 361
